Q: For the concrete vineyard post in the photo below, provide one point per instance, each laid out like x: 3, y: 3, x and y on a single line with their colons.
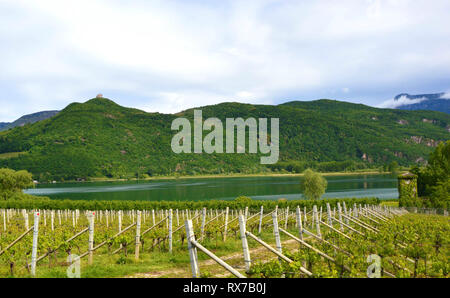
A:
x: 192, y: 250
x: 35, y: 243
x: 52, y: 214
x: 316, y: 219
x: 25, y: 216
x: 299, y: 221
x: 91, y: 217
x: 345, y: 212
x: 340, y: 215
x: 304, y: 212
x: 226, y: 224
x: 138, y: 235
x: 167, y: 219
x: 330, y: 221
x: 246, y: 213
x: 178, y: 219
x: 261, y: 219
x: 320, y: 216
x: 203, y: 223
x: 276, y: 232
x: 170, y: 229
x: 245, y: 249
x: 287, y: 218
x: 153, y: 216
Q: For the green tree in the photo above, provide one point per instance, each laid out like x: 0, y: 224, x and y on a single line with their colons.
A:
x: 12, y: 182
x: 313, y: 185
x: 433, y: 181
x: 393, y: 167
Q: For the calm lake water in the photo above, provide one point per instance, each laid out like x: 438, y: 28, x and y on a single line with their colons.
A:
x: 261, y: 188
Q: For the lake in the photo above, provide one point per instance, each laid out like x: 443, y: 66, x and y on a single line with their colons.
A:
x: 261, y: 188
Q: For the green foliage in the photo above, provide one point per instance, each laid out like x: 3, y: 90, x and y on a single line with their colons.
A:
x: 313, y: 185
x: 12, y: 182
x: 423, y: 239
x: 393, y: 167
x: 99, y: 138
x: 30, y: 202
x: 242, y: 201
x: 407, y: 188
x: 434, y: 179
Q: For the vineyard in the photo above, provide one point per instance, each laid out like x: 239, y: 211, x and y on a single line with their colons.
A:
x: 324, y: 241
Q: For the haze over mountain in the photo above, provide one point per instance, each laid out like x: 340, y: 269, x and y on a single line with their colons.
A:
x: 26, y: 119
x: 433, y: 102
x: 99, y: 138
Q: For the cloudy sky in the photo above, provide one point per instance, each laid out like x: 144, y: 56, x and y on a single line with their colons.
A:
x: 167, y: 55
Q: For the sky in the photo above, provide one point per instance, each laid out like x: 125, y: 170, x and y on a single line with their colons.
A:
x: 167, y: 56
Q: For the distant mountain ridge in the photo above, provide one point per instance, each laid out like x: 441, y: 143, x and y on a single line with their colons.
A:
x: 27, y: 119
x: 100, y: 138
x: 433, y: 102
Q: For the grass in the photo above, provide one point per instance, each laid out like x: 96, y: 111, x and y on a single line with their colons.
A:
x: 389, y: 203
x: 10, y: 155
x: 110, y: 266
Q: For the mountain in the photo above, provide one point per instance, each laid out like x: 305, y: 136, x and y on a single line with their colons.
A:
x: 433, y: 102
x: 31, y: 118
x: 100, y: 138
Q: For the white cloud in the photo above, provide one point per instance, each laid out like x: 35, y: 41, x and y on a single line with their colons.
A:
x: 446, y: 95
x: 402, y: 100
x: 171, y: 55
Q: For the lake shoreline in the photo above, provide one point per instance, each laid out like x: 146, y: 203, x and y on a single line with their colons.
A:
x: 219, y: 176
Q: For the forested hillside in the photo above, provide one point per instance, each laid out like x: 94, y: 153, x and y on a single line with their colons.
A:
x: 99, y: 138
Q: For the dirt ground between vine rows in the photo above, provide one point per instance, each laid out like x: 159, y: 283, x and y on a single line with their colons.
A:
x: 236, y: 260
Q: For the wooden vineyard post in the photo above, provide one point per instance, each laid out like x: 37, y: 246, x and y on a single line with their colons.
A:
x: 316, y: 219
x: 203, y: 223
x: 192, y: 250
x: 170, y: 229
x: 243, y: 231
x: 138, y: 235
x: 91, y: 217
x: 261, y: 219
x: 299, y: 221
x: 35, y: 243
x: 276, y: 232
x: 226, y: 224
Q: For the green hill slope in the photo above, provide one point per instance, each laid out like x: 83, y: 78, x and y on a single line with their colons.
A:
x: 99, y: 138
